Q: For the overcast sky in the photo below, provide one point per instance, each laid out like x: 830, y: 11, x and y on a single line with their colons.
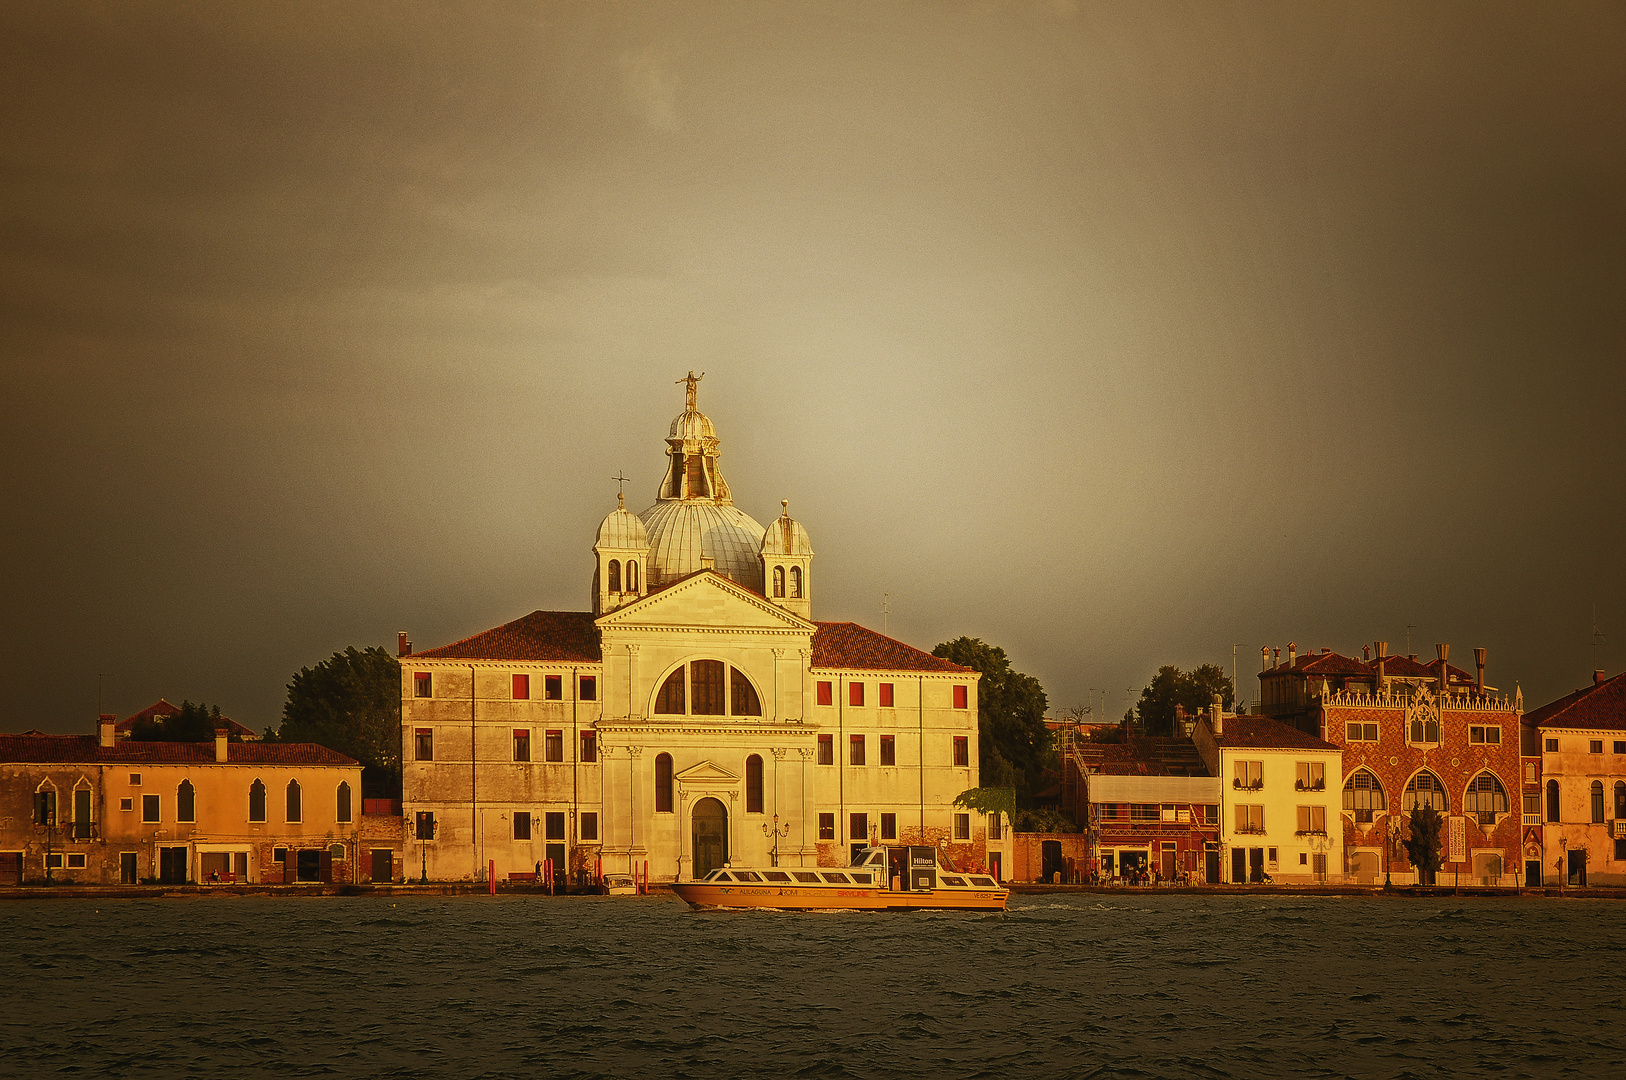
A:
x: 1113, y: 334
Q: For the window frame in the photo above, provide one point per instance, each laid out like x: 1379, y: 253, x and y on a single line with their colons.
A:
x: 855, y: 695
x: 962, y: 827
x: 423, y: 744
x: 521, y: 823
x: 423, y: 684
x: 827, y: 826
x: 824, y: 691
x: 154, y: 815
x: 885, y: 694
x: 961, y: 749
x: 553, y: 687
x: 587, y: 752
x: 553, y: 745
x: 522, y: 745
x: 889, y: 826
x: 962, y: 696
x: 889, y: 749
x: 856, y: 754
x: 826, y: 749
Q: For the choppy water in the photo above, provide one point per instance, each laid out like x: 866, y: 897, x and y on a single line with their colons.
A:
x: 1080, y: 986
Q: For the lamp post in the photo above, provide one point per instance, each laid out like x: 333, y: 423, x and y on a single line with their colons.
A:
x: 776, y: 832
x: 1392, y: 836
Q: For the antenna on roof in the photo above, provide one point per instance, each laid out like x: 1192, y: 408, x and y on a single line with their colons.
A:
x: 886, y: 614
x: 99, y: 679
x: 1598, y: 639
x: 1409, y: 628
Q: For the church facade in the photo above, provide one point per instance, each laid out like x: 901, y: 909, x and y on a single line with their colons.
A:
x: 696, y: 715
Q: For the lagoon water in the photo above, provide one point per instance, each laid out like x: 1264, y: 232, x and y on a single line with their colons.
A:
x: 1078, y: 985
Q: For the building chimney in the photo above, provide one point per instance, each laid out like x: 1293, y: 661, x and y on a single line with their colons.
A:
x: 1292, y: 653
x: 403, y: 644
x: 1597, y: 676
x: 105, y: 727
x: 1382, y: 648
x: 1264, y: 658
x: 1380, y: 684
x: 220, y: 744
x: 1479, y: 670
x: 1443, y: 652
x: 1216, y: 715
x: 1366, y: 653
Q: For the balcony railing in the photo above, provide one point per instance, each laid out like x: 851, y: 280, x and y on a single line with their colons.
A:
x: 1310, y: 832
x: 1313, y: 785
x: 1249, y: 830
x: 1253, y: 786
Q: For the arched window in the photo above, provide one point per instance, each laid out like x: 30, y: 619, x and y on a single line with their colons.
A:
x: 669, y: 701
x: 742, y: 695
x: 615, y: 575
x: 753, y: 784
x: 256, y: 801
x: 1552, y: 800
x: 1486, y: 798
x: 1620, y: 798
x: 663, y: 783
x: 186, y: 802
x: 293, y: 800
x: 343, y: 802
x: 796, y: 582
x: 1425, y: 789
x: 632, y: 576
x: 1597, y: 802
x: 778, y: 581
x: 1363, y: 796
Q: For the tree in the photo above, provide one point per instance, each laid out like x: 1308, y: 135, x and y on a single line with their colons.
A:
x: 1172, y: 688
x: 350, y: 702
x: 1015, y: 747
x: 193, y: 723
x: 1423, y: 845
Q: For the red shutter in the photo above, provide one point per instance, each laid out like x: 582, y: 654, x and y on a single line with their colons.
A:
x: 959, y: 697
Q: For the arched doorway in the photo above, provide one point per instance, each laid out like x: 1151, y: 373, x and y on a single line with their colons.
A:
x: 709, y: 826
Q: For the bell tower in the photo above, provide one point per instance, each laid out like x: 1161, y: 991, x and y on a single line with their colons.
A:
x: 787, y: 564
x: 622, y: 551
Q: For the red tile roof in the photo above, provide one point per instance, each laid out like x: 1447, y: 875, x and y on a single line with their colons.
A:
x: 1142, y: 756
x: 1601, y: 707
x: 848, y: 645
x: 1263, y: 733
x: 162, y: 707
x: 87, y: 749
x: 568, y: 636
x: 1399, y: 667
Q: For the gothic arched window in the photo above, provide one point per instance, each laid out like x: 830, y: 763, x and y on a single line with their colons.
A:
x: 1363, y: 796
x: 256, y: 801
x: 293, y: 801
x: 343, y: 802
x: 1486, y: 798
x: 1597, y: 802
x: 1425, y: 789
x: 186, y: 802
x: 796, y: 582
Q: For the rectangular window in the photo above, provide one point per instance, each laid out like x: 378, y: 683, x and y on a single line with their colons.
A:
x: 423, y: 744
x: 826, y: 694
x: 1355, y: 731
x: 827, y: 826
x: 962, y: 826
x: 1595, y: 746
x: 960, y: 697
x: 1250, y: 819
x: 522, y: 825
x: 962, y: 750
x: 1550, y: 746
x: 553, y: 746
x: 1312, y: 776
x: 127, y: 804
x: 149, y: 808
x: 590, y: 825
x: 827, y: 749
x: 589, y: 746
x: 522, y: 744
x: 858, y: 826
x: 522, y: 687
x: 1532, y: 809
x: 889, y: 750
x: 883, y: 695
x: 553, y: 822
x: 135, y: 779
x: 425, y: 829
x: 423, y: 685
x: 1484, y: 736
x: 1210, y: 814
x: 553, y: 687
x: 280, y: 854
x: 1248, y: 775
x: 855, y: 694
x: 1313, y: 819
x: 1620, y: 747
x: 53, y: 861
x: 1620, y: 849
x: 889, y: 826
x: 589, y: 688
x: 855, y: 750
x: 76, y: 862
x: 995, y: 826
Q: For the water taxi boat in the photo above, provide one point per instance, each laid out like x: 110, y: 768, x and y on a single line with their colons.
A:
x: 879, y: 879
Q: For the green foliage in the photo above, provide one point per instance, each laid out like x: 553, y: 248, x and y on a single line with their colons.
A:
x: 1423, y: 845
x: 1015, y: 746
x: 194, y: 723
x: 989, y: 800
x: 1044, y: 819
x: 350, y: 702
x: 1171, y: 687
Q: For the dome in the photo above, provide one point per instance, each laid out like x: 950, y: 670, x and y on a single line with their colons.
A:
x: 692, y: 425
x: 682, y: 531
x: 786, y: 536
x: 622, y: 529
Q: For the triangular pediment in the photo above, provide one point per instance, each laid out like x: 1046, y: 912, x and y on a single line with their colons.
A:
x: 707, y: 772
x: 705, y: 599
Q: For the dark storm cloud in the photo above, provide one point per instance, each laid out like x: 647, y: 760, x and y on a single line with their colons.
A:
x: 1112, y: 334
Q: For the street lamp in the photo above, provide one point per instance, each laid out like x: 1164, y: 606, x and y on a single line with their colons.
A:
x: 776, y: 832
x: 1392, y: 831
